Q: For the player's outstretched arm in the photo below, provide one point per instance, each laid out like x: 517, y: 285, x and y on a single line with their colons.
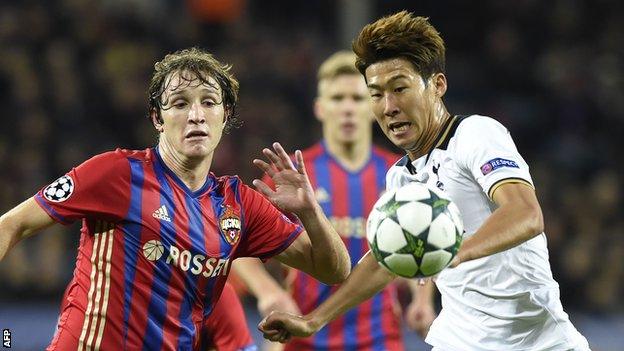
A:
x: 20, y: 222
x: 367, y: 279
x: 269, y: 293
x: 318, y: 251
x: 420, y: 312
x: 517, y: 219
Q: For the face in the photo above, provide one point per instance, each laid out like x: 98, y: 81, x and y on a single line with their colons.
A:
x: 404, y: 105
x: 193, y: 116
x: 343, y: 108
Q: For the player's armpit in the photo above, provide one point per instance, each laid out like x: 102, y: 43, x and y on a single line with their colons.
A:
x: 20, y: 222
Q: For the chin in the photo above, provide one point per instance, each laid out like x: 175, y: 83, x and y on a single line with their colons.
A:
x: 402, y: 143
x: 197, y: 151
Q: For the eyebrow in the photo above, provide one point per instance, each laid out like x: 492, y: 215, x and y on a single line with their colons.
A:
x: 396, y: 77
x: 203, y: 90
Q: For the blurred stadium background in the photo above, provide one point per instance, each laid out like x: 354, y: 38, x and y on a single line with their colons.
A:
x: 73, y: 76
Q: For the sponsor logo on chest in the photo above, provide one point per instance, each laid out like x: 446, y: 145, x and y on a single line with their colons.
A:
x: 197, y: 264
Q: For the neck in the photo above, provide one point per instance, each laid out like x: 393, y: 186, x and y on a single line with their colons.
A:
x: 192, y: 171
x: 351, y: 155
x: 430, y: 133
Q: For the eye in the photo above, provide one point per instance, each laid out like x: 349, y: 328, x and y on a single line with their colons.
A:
x: 209, y: 102
x: 375, y: 95
x: 179, y: 104
x: 399, y: 89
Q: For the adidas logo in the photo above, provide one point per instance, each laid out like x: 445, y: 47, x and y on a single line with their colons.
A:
x: 162, y: 213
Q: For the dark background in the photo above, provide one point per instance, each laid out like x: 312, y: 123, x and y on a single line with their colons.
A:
x: 73, y: 76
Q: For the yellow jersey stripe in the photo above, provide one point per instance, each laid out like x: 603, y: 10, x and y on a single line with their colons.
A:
x: 496, y: 185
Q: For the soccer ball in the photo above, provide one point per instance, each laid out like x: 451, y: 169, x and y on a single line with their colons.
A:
x: 414, y: 230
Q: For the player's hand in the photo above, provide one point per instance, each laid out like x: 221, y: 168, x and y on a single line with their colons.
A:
x: 419, y: 317
x: 281, y: 326
x: 293, y: 191
x: 278, y: 301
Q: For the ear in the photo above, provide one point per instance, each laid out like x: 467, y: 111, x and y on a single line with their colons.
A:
x: 318, y: 109
x: 439, y: 82
x: 156, y: 121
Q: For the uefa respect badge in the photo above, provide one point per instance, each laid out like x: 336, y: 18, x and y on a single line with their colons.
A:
x: 497, y: 163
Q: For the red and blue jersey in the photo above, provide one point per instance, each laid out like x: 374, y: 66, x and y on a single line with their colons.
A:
x: 347, y: 198
x: 153, y: 255
x: 224, y: 328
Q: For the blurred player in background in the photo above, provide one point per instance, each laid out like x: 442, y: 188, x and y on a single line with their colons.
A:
x: 348, y: 174
x: 160, y: 231
x: 225, y: 329
x: 500, y: 295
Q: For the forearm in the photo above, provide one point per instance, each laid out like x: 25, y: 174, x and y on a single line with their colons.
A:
x: 329, y: 256
x: 366, y: 279
x: 255, y: 276
x: 20, y: 222
x: 506, y: 227
x: 8, y: 238
x: 10, y: 234
x: 422, y: 294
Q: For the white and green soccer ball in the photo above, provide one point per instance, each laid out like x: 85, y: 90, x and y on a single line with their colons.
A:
x: 414, y: 230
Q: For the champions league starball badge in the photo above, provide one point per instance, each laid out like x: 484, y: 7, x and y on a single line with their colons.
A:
x: 60, y: 190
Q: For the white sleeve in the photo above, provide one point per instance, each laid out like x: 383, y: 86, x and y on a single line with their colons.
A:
x: 485, y: 149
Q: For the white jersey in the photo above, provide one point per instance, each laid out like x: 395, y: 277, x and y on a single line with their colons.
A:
x: 503, y: 302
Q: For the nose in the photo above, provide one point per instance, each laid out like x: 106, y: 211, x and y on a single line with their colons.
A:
x: 197, y: 114
x: 391, y: 108
x: 348, y: 107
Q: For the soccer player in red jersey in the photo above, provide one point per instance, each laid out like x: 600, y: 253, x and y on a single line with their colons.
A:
x: 348, y: 174
x: 226, y: 327
x: 160, y: 231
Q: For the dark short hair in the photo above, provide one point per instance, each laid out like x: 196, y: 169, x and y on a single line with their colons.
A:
x: 202, y: 65
x: 401, y: 35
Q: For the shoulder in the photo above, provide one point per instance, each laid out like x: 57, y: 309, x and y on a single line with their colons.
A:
x: 312, y: 152
x: 476, y: 131
x: 120, y: 155
x: 477, y: 125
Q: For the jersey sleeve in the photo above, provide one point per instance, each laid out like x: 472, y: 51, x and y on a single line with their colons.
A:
x: 486, y: 150
x: 98, y: 188
x: 267, y: 230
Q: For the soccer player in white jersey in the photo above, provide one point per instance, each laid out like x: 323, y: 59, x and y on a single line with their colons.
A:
x: 500, y: 294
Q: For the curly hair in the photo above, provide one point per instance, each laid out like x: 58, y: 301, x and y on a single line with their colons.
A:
x: 401, y: 35
x: 202, y: 65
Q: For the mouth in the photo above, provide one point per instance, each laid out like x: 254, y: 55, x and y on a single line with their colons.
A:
x: 399, y: 127
x: 196, y: 134
x: 348, y: 127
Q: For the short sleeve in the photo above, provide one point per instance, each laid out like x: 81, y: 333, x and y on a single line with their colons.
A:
x: 98, y: 188
x: 267, y: 230
x: 485, y: 149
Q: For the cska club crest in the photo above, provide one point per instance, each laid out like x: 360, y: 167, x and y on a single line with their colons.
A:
x: 230, y: 225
